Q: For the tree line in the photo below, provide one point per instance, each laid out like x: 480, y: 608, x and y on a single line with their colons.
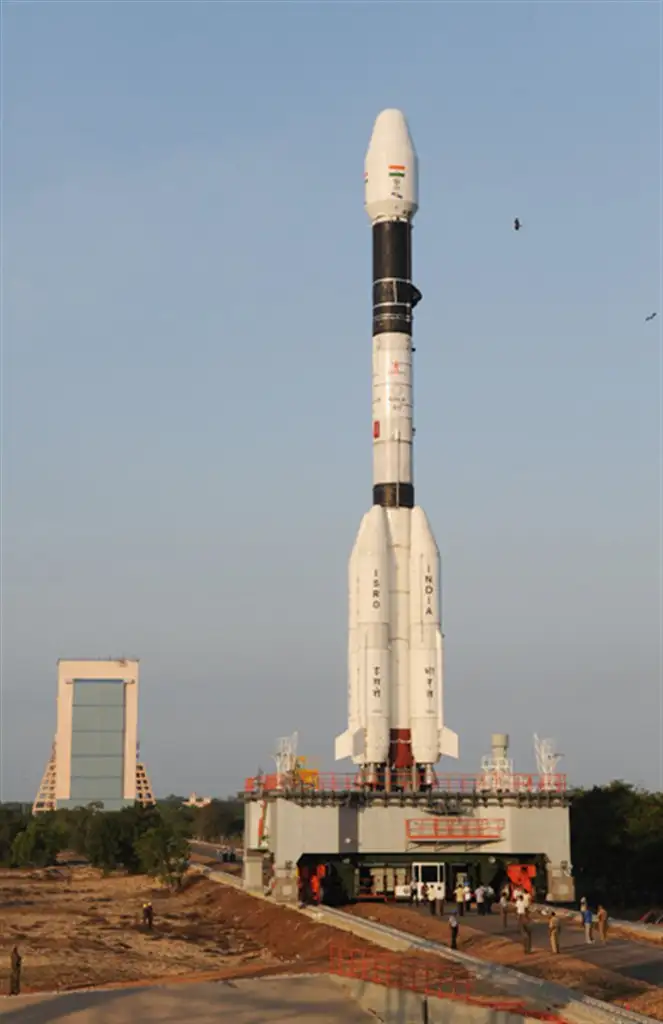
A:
x: 140, y: 840
x: 617, y: 846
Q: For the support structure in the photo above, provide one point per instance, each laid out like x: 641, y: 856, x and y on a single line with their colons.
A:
x: 46, y: 801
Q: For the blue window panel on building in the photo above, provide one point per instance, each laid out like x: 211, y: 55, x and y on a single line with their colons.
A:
x: 108, y: 805
x: 97, y: 719
x: 98, y: 767
x: 99, y: 692
x: 97, y: 743
x: 85, y: 790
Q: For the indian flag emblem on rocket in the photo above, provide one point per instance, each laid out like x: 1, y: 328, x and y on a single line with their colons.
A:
x: 396, y: 170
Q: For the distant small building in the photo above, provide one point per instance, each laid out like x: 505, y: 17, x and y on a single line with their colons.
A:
x: 197, y: 801
x: 94, y: 757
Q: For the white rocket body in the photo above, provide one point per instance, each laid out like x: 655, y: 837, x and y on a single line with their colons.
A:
x: 395, y: 649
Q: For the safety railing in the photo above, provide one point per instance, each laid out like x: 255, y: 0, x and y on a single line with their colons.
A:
x: 422, y: 830
x: 330, y: 782
x: 397, y: 972
x: 448, y: 981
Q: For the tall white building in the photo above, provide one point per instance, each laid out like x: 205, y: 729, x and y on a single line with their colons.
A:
x: 94, y: 755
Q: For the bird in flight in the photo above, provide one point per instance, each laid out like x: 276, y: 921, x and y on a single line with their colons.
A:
x: 516, y: 225
x: 650, y: 317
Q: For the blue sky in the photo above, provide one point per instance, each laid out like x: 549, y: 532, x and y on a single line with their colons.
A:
x: 186, y: 331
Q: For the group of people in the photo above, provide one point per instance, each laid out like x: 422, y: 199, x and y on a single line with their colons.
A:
x: 587, y: 918
x: 555, y: 924
x: 483, y: 897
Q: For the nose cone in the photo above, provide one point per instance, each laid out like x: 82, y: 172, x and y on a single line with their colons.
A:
x: 391, y: 129
x: 391, y: 172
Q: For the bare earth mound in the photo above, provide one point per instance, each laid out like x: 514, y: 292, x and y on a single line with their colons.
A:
x: 75, y: 929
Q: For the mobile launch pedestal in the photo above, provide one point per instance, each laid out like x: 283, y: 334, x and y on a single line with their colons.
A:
x: 491, y: 827
x: 394, y: 818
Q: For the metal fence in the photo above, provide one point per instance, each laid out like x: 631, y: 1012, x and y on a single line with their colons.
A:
x: 331, y: 782
x: 396, y: 971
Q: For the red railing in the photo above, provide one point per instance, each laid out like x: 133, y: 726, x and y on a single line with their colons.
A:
x: 329, y: 782
x: 393, y: 972
x: 422, y: 830
x: 448, y: 981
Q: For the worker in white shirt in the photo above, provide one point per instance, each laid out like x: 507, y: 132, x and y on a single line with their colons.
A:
x: 480, y: 897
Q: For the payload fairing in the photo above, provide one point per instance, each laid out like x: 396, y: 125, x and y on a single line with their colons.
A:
x: 396, y: 729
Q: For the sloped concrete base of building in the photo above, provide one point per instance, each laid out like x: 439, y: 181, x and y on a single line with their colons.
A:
x: 398, y: 1006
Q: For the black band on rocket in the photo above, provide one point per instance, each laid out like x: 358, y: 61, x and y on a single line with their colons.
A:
x: 394, y: 295
x: 394, y: 495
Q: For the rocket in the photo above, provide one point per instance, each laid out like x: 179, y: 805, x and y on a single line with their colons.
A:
x: 396, y: 731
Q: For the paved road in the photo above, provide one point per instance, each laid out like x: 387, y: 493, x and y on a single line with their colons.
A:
x: 211, y: 850
x: 638, y: 960
x: 313, y: 1000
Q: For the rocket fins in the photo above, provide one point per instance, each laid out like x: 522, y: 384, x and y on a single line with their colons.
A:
x: 349, y: 744
x: 448, y: 743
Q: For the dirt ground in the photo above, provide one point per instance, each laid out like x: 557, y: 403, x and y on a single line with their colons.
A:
x: 76, y: 929
x: 563, y: 969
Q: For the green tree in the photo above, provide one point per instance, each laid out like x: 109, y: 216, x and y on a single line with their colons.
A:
x: 164, y: 853
x: 12, y: 821
x: 617, y: 845
x: 133, y: 823
x: 39, y: 844
x: 220, y: 819
x: 103, y: 841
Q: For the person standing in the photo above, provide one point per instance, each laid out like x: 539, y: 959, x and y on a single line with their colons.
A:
x: 480, y: 899
x: 148, y: 915
x: 459, y: 893
x: 553, y: 932
x: 504, y: 910
x: 413, y: 891
x: 602, y: 921
x: 454, y: 927
x: 526, y: 932
x: 432, y: 899
x: 588, y: 923
x: 15, y: 976
x: 467, y: 895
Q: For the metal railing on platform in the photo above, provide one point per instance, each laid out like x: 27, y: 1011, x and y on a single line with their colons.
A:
x: 423, y: 830
x: 331, y: 782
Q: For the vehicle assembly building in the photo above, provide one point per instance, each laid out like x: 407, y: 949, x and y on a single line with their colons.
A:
x: 94, y: 758
x: 394, y: 821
